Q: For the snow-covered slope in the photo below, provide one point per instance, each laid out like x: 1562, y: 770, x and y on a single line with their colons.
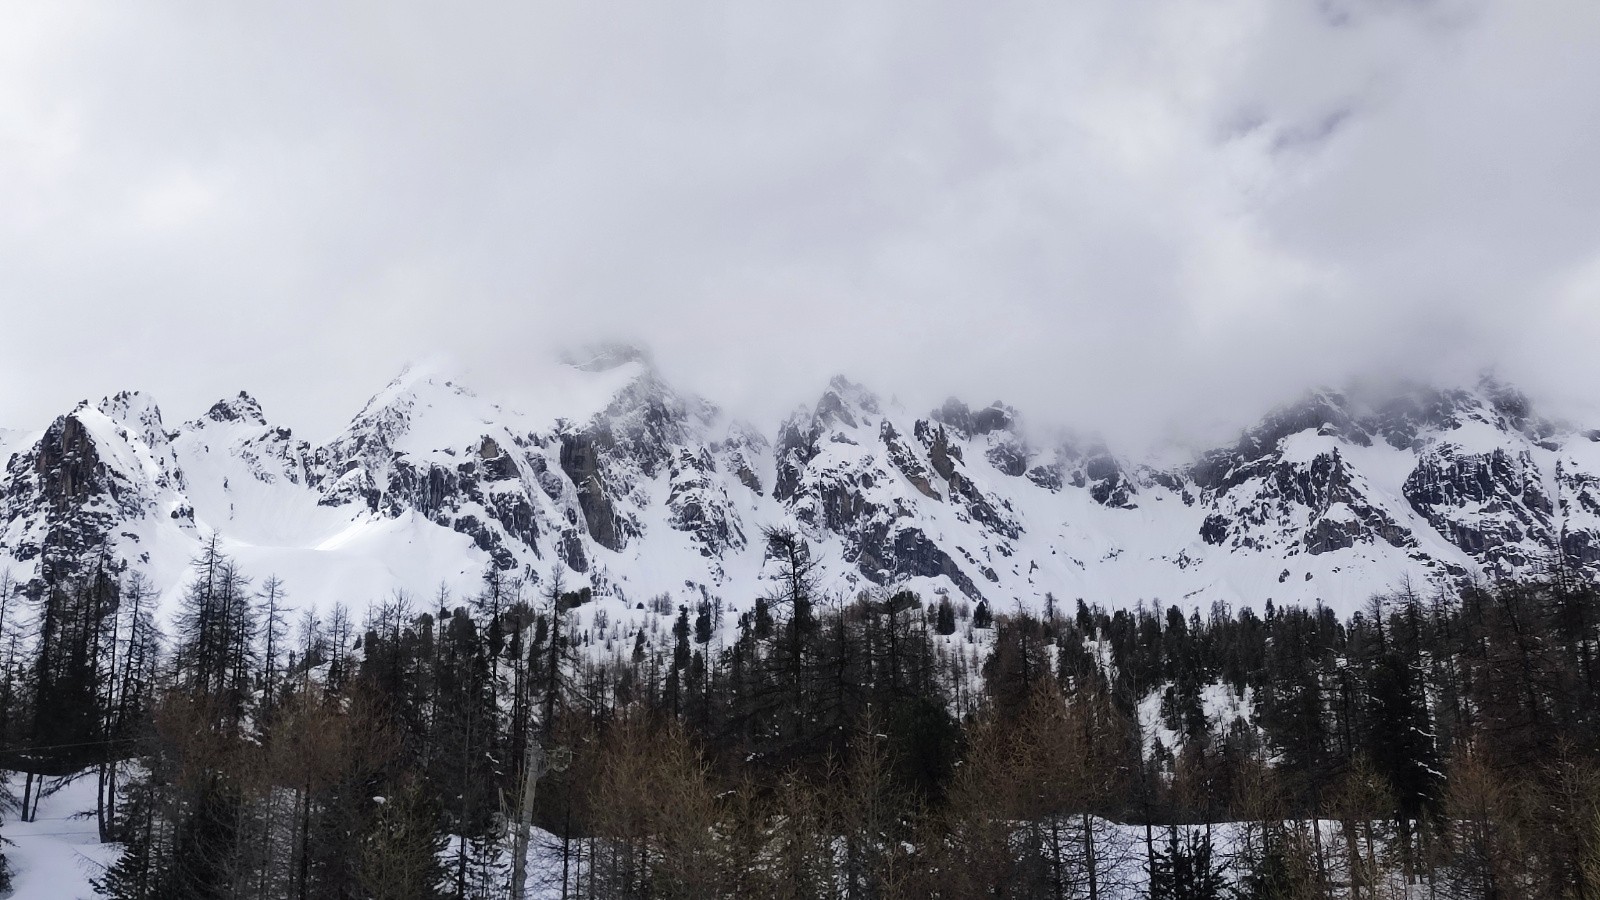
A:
x: 636, y: 489
x: 58, y: 855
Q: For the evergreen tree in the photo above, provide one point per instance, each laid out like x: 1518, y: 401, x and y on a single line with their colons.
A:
x: 945, y: 617
x: 1275, y: 874
x: 702, y: 624
x: 981, y: 617
x: 1184, y: 869
x: 1400, y: 740
x: 140, y: 870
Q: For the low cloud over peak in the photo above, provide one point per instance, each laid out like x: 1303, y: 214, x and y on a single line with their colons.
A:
x: 1113, y: 216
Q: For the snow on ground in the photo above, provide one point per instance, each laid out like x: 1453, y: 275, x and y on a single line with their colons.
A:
x: 55, y: 856
x: 1222, y: 707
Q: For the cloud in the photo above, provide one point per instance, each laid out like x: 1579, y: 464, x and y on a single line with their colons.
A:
x: 1108, y: 213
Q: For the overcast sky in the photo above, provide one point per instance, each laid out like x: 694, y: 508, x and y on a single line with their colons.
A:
x: 1186, y: 208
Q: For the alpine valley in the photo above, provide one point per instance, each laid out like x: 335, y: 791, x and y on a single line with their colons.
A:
x: 635, y: 489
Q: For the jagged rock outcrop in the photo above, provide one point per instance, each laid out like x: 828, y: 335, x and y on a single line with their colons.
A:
x: 1491, y: 505
x: 65, y: 499
x: 637, y: 489
x: 1316, y: 505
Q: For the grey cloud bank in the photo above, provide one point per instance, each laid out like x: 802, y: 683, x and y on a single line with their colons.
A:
x: 1107, y: 213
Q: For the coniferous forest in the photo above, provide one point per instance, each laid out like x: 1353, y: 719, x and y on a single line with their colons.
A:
x: 1438, y: 744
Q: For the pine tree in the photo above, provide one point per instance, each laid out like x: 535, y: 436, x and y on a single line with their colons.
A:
x: 1275, y: 874
x: 945, y: 622
x: 465, y: 767
x: 75, y: 615
x: 1185, y: 870
x: 271, y: 614
x: 214, y: 633
x: 1400, y: 741
x: 796, y: 589
x: 762, y: 619
x: 981, y: 617
x: 140, y: 871
x: 702, y: 624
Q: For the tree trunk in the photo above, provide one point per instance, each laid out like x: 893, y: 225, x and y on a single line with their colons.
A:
x: 1089, y: 855
x: 305, y: 843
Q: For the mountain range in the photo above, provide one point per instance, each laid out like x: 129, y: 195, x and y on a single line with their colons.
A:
x: 635, y: 489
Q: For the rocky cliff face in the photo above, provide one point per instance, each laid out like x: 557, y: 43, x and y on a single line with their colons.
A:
x: 636, y: 489
x: 66, y: 497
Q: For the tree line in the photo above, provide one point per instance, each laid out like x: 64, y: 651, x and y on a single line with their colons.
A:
x: 886, y: 745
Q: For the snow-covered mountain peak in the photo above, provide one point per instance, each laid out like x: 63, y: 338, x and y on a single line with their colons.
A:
x: 422, y: 410
x: 1323, y: 412
x: 599, y: 465
x: 606, y: 356
x: 427, y: 383
x: 642, y: 401
x: 138, y: 412
x: 242, y: 409
x: 846, y: 403
x: 996, y: 416
x: 616, y: 387
x: 89, y: 483
x: 1406, y: 414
